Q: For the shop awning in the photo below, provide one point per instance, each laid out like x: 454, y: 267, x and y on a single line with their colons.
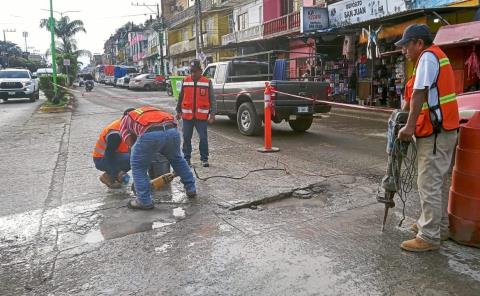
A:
x: 461, y: 34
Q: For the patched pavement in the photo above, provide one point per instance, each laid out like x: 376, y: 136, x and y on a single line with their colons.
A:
x: 308, y: 225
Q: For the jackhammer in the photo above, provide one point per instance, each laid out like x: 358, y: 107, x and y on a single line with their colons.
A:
x: 397, y: 154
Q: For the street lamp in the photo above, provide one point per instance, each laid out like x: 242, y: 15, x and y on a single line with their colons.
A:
x: 61, y: 13
x: 5, y: 43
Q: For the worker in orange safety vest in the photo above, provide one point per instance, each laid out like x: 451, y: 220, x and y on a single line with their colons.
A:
x: 197, y: 107
x: 111, y: 155
x: 433, y: 119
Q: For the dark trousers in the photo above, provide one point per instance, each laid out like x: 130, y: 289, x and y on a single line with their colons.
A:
x: 201, y: 127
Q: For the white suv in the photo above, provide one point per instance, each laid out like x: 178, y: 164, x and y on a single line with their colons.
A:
x: 18, y: 83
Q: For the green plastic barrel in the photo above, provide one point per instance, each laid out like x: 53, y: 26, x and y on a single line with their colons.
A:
x: 176, y: 82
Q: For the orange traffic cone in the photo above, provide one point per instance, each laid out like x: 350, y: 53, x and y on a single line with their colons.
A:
x: 464, y: 202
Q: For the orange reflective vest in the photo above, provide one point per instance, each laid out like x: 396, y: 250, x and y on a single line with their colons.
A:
x: 101, y: 145
x: 150, y: 115
x: 447, y: 99
x: 196, y: 99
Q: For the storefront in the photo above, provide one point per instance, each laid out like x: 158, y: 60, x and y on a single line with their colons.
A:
x: 373, y: 69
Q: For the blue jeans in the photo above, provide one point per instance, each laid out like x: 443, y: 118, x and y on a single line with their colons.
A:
x: 201, y: 127
x: 119, y: 162
x: 167, y: 143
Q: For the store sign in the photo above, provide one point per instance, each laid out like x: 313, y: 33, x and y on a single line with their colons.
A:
x: 313, y: 19
x: 350, y: 12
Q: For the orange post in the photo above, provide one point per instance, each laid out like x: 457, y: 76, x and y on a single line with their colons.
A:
x: 267, y: 98
x: 464, y: 203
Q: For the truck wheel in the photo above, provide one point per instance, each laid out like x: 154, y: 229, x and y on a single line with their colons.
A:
x: 32, y: 98
x: 248, y: 121
x: 37, y: 95
x: 5, y: 100
x: 301, y: 124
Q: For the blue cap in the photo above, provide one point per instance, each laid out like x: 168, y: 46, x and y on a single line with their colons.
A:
x: 414, y: 32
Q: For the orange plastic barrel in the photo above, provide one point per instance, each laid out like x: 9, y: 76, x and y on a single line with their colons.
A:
x: 464, y: 202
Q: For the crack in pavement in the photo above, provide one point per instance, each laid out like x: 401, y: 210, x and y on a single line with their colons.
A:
x: 43, y: 237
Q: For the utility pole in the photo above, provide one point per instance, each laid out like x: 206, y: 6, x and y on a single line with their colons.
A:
x: 54, y: 52
x: 197, y: 28
x: 159, y: 28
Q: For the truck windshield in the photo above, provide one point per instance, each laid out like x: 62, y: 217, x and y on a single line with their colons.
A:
x: 14, y: 74
x: 240, y: 72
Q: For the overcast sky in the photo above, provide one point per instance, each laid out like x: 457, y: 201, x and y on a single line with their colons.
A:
x: 101, y: 18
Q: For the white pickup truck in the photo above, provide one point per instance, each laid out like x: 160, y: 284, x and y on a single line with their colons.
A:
x: 18, y: 83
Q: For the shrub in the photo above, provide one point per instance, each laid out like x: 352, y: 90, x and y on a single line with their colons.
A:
x: 47, y: 87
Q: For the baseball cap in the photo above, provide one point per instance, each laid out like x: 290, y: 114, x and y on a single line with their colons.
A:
x: 195, y: 65
x: 412, y: 32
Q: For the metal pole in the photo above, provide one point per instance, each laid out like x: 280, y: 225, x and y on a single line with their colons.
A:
x: 53, y: 50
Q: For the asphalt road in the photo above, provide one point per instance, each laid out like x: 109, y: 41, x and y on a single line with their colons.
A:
x: 314, y: 228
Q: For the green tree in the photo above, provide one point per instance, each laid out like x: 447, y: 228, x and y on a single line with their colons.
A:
x: 67, y: 47
x: 66, y: 31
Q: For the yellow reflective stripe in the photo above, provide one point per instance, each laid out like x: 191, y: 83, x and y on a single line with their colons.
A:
x: 448, y: 98
x: 139, y: 111
x: 414, y: 70
x: 444, y: 62
x: 443, y: 100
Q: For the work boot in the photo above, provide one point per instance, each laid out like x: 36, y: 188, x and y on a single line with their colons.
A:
x: 105, y: 179
x: 418, y: 245
x: 444, y: 236
x: 205, y: 163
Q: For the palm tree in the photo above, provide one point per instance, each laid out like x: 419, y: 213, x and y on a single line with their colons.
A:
x: 66, y: 30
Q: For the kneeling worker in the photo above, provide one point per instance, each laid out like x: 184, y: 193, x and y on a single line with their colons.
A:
x: 111, y: 155
x: 149, y: 130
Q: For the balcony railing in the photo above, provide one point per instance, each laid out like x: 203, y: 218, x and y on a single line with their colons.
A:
x: 281, y: 26
x: 190, y: 45
x: 252, y: 33
x: 187, y: 14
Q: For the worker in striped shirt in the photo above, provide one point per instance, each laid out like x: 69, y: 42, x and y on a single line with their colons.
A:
x: 148, y: 131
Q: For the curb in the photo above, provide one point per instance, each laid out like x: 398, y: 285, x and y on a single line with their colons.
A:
x: 59, y: 109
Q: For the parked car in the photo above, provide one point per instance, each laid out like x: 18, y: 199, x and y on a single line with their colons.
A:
x: 18, y: 83
x: 245, y: 81
x: 125, y: 80
x: 146, y: 82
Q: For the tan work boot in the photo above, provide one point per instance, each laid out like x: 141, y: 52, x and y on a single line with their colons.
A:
x: 418, y: 245
x: 105, y: 179
x: 443, y: 236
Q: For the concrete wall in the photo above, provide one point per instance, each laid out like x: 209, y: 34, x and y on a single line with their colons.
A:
x: 253, y: 9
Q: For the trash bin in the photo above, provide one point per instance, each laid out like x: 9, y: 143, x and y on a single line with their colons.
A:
x: 176, y: 82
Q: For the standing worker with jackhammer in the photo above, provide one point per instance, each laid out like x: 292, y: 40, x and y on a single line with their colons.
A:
x: 434, y: 120
x: 149, y: 130
x: 197, y: 107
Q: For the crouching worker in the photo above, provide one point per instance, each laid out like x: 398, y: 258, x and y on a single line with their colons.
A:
x: 111, y: 156
x: 149, y: 130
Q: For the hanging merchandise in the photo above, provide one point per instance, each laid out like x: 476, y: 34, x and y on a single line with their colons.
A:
x: 349, y: 47
x: 473, y: 65
x: 372, y: 44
